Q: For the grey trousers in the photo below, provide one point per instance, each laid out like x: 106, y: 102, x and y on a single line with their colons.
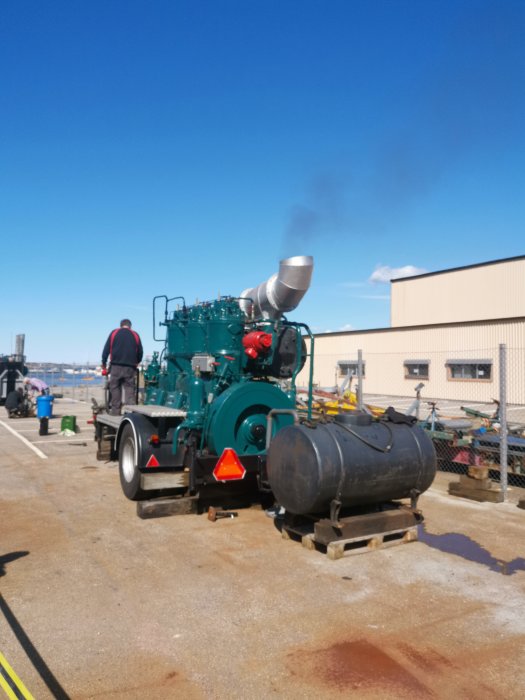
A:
x: 121, y: 386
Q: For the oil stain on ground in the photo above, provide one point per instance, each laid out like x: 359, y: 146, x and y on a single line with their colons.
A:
x: 467, y: 548
x: 355, y: 666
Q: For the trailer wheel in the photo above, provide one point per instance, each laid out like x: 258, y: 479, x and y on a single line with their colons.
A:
x: 127, y: 465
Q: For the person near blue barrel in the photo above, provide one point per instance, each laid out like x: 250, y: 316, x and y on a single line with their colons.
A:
x: 36, y: 386
x: 14, y: 403
x: 123, y: 350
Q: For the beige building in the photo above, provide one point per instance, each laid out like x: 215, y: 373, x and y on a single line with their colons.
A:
x: 446, y: 331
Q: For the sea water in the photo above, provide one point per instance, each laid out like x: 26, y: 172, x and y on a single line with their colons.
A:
x: 58, y: 379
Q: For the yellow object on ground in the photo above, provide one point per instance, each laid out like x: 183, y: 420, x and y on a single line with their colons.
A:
x: 331, y: 404
x: 11, y: 683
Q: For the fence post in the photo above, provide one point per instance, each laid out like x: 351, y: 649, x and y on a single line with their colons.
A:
x: 503, y: 444
x: 360, y: 380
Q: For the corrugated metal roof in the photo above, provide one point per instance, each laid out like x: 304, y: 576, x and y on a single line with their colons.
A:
x: 456, y: 269
x: 397, y: 329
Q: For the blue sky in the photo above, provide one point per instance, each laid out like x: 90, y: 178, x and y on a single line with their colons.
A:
x: 184, y: 147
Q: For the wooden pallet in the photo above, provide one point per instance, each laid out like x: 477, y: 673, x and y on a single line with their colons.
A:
x: 360, y: 545
x: 357, y: 533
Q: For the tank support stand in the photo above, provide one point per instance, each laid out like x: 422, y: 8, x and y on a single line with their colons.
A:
x: 355, y: 532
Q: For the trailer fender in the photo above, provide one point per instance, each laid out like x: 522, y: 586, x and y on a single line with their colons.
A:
x: 142, y: 430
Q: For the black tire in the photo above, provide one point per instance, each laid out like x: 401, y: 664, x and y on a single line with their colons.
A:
x: 127, y: 466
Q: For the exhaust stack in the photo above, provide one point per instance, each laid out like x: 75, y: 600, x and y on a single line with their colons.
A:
x: 19, y: 347
x: 282, y: 292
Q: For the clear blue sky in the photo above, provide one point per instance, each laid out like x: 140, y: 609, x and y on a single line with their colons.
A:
x: 184, y: 147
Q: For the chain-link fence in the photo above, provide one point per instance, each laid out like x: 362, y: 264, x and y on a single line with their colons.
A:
x: 471, y: 403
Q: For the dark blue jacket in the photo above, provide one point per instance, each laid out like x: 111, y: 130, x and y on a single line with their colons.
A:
x: 123, y: 347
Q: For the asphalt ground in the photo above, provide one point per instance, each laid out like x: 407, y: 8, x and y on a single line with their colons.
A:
x: 97, y: 603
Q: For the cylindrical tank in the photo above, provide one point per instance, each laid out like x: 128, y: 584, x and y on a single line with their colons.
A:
x: 355, y: 459
x: 196, y: 329
x: 44, y: 406
x: 177, y: 329
x: 225, y: 329
x: 177, y: 344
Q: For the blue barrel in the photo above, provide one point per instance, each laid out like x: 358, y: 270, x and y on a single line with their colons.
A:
x: 44, y: 406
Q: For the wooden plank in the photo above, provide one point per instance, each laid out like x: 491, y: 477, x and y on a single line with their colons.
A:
x: 492, y: 495
x: 367, y: 524
x: 164, y: 480
x: 163, y: 507
x: 355, y: 534
x: 471, y: 482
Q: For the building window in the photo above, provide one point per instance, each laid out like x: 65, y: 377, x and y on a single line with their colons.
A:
x: 469, y: 370
x: 349, y: 369
x: 416, y: 369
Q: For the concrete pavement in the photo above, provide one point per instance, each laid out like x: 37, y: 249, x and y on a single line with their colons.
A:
x: 97, y: 603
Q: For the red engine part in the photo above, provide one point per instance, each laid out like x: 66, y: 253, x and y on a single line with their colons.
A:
x: 256, y: 342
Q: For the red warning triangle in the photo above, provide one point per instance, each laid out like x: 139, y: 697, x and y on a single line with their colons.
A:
x: 229, y: 466
x: 152, y: 462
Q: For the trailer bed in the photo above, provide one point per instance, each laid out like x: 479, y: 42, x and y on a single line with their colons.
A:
x: 151, y: 411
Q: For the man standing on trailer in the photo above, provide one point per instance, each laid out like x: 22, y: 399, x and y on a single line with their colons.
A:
x: 123, y: 348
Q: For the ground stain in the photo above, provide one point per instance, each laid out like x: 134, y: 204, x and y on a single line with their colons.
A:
x: 355, y: 665
x: 467, y: 548
x: 428, y: 660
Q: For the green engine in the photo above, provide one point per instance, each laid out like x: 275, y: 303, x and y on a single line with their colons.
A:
x: 227, y: 373
x: 221, y: 388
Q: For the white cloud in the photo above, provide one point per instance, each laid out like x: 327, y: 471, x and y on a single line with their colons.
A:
x: 382, y: 297
x: 384, y: 273
x: 347, y: 327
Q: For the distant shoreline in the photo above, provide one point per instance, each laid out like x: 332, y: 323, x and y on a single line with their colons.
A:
x: 63, y: 379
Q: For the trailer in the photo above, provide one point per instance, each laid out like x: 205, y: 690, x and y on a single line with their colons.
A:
x: 220, y: 416
x: 223, y: 385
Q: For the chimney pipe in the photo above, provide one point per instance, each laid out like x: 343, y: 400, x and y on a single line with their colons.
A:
x: 19, y: 347
x: 282, y: 292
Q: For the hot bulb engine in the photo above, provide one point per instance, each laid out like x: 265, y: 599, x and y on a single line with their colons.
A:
x: 220, y: 409
x: 226, y: 365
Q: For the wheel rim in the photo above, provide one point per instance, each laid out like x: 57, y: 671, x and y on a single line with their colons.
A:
x: 128, y: 460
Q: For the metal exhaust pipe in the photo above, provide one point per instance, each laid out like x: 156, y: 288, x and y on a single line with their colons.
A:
x: 282, y: 292
x: 19, y: 347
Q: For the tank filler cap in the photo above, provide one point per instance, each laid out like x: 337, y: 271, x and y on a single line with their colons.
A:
x: 355, y: 418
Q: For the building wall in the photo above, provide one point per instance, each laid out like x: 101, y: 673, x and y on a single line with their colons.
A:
x: 386, y: 350
x: 488, y: 291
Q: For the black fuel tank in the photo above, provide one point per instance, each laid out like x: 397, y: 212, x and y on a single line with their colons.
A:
x: 356, y: 459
